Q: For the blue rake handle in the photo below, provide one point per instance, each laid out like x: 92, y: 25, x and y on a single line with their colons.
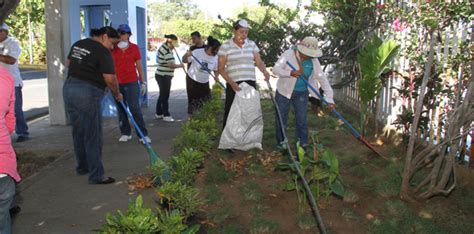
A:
x: 137, y: 128
x: 353, y: 130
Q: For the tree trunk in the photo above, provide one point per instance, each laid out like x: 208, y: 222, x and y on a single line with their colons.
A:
x: 6, y: 8
x: 407, y: 172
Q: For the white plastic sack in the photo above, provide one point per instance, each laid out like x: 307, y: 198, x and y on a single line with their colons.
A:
x: 244, y: 128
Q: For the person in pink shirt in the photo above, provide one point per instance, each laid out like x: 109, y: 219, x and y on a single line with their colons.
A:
x: 8, y: 172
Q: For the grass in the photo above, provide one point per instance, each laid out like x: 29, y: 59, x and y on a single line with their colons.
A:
x: 350, y: 159
x: 350, y: 214
x: 213, y: 194
x: 250, y: 191
x: 262, y: 225
x: 220, y: 214
x: 227, y: 229
x: 257, y: 169
x: 217, y: 174
x: 306, y: 222
x: 360, y: 170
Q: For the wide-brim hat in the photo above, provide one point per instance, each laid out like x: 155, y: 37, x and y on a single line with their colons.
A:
x: 309, y: 47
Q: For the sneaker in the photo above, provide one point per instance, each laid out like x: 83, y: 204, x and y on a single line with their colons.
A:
x: 147, y: 139
x: 125, y: 138
x: 168, y: 119
x: 157, y: 116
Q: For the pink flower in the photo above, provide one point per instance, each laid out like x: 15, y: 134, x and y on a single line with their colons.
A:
x: 397, y: 25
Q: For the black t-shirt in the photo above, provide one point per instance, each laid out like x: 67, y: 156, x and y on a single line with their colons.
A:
x: 89, y: 61
x: 193, y: 47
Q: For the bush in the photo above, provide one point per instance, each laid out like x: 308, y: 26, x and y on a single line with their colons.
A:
x: 183, y: 170
x: 158, y: 170
x: 137, y: 220
x: 189, y: 138
x: 171, y: 222
x: 180, y: 196
x: 208, y: 126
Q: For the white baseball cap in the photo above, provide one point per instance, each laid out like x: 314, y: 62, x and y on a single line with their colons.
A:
x: 4, y: 26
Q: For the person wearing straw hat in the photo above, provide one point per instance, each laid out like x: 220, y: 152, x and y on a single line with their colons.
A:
x: 164, y: 73
x: 237, y: 59
x: 292, y: 91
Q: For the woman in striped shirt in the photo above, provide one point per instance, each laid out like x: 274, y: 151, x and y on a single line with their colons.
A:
x: 237, y: 59
x: 164, y: 73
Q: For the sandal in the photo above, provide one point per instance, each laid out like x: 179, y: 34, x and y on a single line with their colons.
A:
x: 109, y: 180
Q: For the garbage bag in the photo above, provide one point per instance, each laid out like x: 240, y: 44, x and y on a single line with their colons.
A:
x: 244, y: 127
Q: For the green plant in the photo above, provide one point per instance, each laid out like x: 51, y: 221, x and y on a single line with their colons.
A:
x: 220, y: 214
x: 374, y: 59
x: 158, y: 171
x: 262, y: 225
x: 189, y: 138
x: 170, y: 222
x: 209, y: 126
x: 322, y: 175
x: 217, y: 174
x: 250, y: 191
x: 137, y: 219
x: 213, y: 194
x: 179, y: 196
x: 183, y: 170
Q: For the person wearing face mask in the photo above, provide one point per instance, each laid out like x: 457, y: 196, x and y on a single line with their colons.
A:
x: 164, y: 73
x: 128, y: 62
x: 91, y: 71
x: 293, y: 91
x: 237, y: 59
x: 202, y: 61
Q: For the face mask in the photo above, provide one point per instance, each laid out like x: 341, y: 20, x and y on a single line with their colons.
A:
x: 122, y: 44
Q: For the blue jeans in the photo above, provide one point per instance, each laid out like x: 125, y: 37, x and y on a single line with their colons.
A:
x: 7, y: 192
x: 83, y: 106
x: 299, y: 101
x: 21, y: 128
x: 131, y: 97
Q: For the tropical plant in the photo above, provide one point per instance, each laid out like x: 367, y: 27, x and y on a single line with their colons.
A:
x: 183, y: 170
x: 137, y: 219
x: 322, y: 174
x: 158, y: 170
x: 176, y: 195
x: 172, y: 222
x: 208, y: 125
x: 189, y: 138
x: 374, y: 59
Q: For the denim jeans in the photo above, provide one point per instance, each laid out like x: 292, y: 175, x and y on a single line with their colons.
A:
x: 131, y: 96
x: 83, y: 106
x: 299, y: 101
x: 21, y: 128
x: 162, y: 106
x: 7, y: 192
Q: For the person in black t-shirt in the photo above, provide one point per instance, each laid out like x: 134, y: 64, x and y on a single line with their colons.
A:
x: 91, y: 71
x: 198, y: 43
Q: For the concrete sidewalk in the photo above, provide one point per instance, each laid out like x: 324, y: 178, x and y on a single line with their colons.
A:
x: 56, y: 200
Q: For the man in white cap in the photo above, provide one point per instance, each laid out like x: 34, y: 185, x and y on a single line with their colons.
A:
x: 292, y: 90
x: 9, y: 53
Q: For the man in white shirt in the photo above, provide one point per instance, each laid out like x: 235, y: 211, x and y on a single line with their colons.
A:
x: 9, y: 53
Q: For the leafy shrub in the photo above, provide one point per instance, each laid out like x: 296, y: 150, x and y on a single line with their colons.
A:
x: 189, y: 138
x: 158, y: 170
x: 183, y: 170
x: 208, y: 126
x: 172, y: 222
x: 137, y: 219
x: 180, y: 196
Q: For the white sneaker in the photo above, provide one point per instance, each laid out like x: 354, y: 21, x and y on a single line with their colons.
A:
x: 158, y: 116
x: 168, y: 119
x: 125, y: 138
x: 147, y: 139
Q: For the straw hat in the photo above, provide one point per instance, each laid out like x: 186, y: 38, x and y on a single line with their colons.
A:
x: 309, y: 47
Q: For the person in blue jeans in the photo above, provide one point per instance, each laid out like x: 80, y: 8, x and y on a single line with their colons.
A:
x: 128, y: 62
x: 91, y: 71
x: 293, y: 91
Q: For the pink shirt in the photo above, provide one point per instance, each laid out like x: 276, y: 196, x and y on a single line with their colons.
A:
x: 7, y: 125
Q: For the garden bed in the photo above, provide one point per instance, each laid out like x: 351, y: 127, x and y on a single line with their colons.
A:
x: 216, y: 191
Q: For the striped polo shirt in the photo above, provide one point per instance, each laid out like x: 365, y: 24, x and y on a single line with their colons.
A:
x: 240, y: 61
x: 165, y: 56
